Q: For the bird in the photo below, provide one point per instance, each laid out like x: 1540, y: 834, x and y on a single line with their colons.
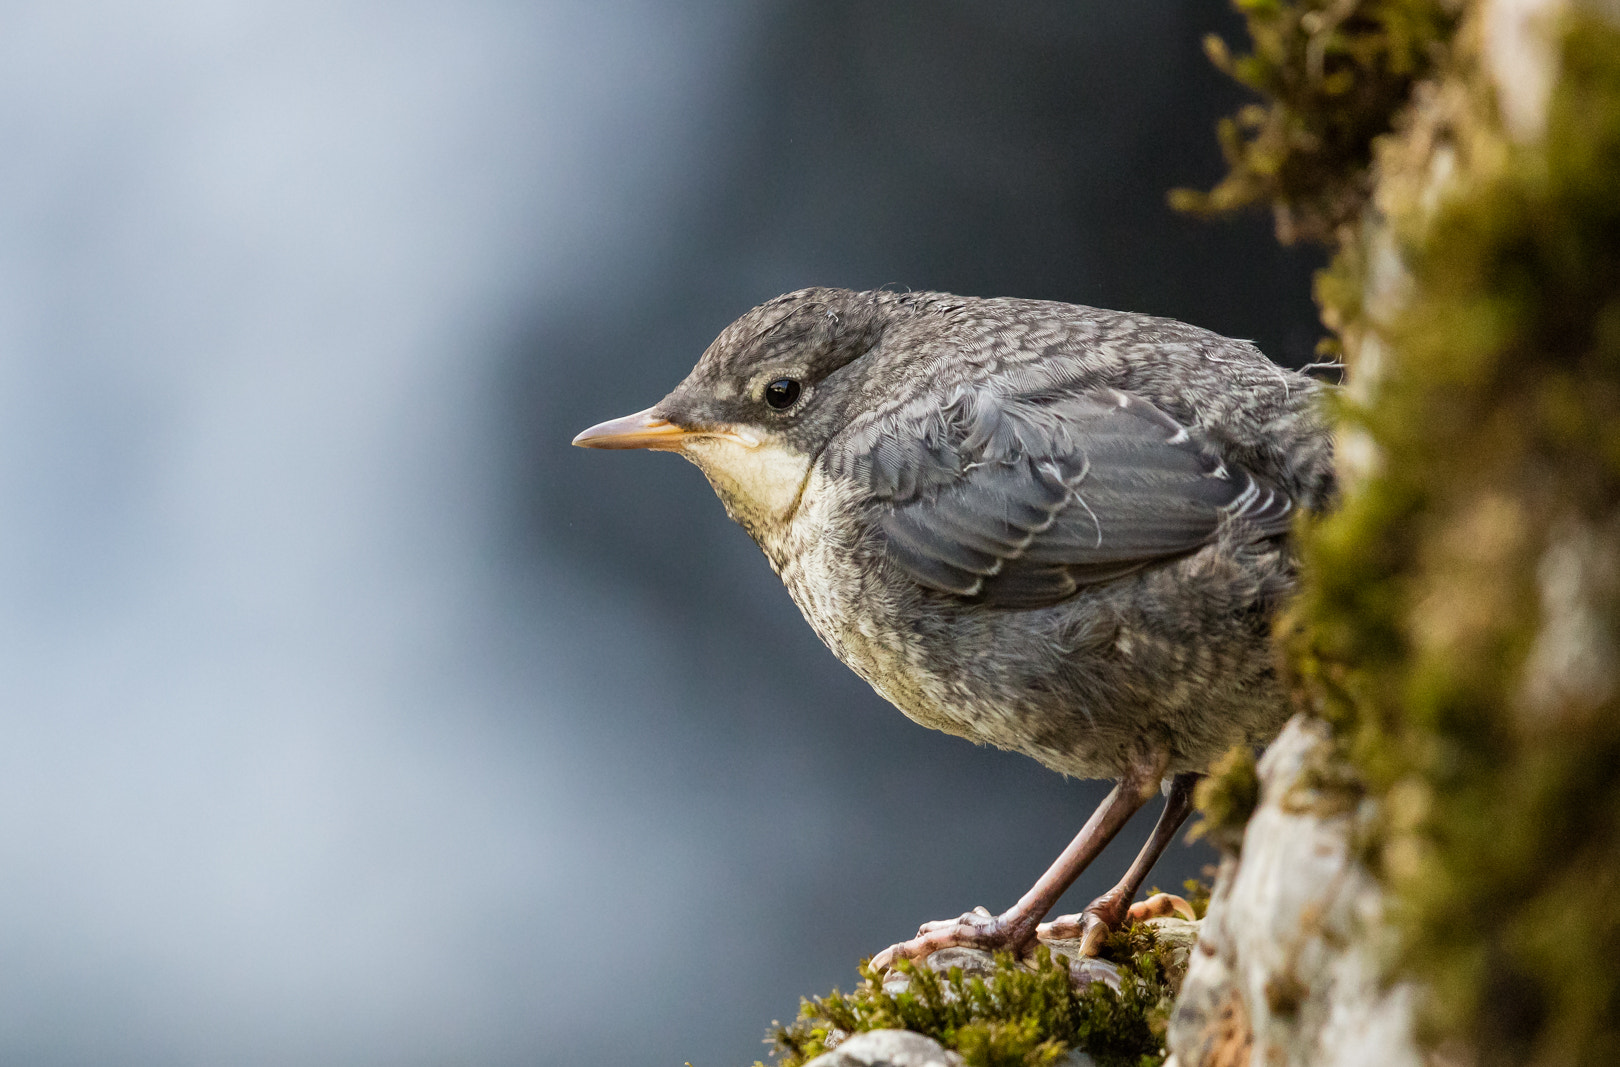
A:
x: 1050, y: 528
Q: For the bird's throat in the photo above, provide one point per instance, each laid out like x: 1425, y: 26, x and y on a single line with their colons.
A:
x: 759, y: 484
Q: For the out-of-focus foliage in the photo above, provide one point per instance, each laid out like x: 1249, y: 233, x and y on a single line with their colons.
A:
x: 1461, y: 607
x: 1332, y: 75
x: 1226, y: 799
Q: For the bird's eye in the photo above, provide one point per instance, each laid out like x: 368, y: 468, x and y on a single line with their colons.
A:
x: 782, y: 393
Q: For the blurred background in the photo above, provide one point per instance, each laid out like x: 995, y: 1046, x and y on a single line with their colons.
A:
x: 349, y: 716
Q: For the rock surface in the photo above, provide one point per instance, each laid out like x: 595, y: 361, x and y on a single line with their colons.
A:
x: 1287, y: 966
x: 888, y: 1048
x: 902, y: 1048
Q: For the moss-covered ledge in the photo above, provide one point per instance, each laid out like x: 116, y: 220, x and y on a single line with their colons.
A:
x: 1003, y: 1012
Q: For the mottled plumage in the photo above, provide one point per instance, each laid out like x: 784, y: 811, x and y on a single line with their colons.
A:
x: 1049, y: 528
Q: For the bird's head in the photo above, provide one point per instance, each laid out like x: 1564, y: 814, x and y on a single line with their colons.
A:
x: 763, y: 402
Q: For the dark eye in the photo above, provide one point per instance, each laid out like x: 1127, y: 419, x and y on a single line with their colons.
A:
x: 782, y: 393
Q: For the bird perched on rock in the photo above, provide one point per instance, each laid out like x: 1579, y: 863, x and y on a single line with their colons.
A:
x: 1050, y: 528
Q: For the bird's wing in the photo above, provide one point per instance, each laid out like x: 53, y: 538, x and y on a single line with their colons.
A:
x: 1019, y: 501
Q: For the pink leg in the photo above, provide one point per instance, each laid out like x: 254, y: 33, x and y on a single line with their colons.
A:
x: 1109, y: 911
x: 1014, y: 929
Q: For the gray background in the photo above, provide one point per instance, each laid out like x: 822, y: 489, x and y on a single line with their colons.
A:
x: 347, y: 716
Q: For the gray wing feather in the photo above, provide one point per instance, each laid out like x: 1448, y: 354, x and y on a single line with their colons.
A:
x: 1020, y: 501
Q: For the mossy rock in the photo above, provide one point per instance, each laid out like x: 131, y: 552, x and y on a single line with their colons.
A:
x: 1003, y: 1012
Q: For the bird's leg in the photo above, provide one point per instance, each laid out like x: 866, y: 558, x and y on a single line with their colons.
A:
x: 1014, y: 929
x: 1111, y: 909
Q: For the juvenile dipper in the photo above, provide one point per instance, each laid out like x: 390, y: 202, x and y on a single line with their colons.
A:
x: 1050, y: 528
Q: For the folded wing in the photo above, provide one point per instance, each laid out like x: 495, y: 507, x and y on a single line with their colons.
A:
x: 1020, y: 501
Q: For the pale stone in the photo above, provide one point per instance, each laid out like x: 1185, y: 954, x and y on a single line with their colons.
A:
x: 888, y: 1048
x: 1519, y: 54
x: 1287, y: 966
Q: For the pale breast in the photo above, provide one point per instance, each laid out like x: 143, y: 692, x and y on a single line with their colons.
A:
x: 862, y: 617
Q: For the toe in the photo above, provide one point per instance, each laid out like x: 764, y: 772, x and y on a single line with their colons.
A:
x: 886, y: 959
x: 967, y: 921
x: 1159, y: 905
x: 1063, y: 928
x: 1012, y: 932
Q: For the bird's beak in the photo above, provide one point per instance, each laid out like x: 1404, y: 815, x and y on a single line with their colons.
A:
x: 641, y: 430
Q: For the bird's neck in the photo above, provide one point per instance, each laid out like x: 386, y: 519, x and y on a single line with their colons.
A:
x: 760, y: 485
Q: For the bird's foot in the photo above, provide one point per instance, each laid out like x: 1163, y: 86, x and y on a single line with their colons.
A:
x: 1010, y: 931
x: 1108, y: 913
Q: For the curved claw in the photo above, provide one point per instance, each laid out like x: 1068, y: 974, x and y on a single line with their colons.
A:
x: 1094, y: 933
x: 975, y: 929
x: 1091, y: 927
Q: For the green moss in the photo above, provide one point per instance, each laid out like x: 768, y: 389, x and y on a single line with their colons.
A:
x: 1496, y: 417
x: 1493, y: 411
x: 1332, y: 76
x: 1196, y: 893
x: 1023, y: 1016
x: 1226, y: 799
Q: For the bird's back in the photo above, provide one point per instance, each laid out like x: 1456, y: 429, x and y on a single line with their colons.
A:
x: 1258, y: 414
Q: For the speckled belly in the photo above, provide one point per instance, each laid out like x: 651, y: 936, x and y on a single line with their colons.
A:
x: 1073, y: 686
x: 854, y: 615
x: 864, y: 627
